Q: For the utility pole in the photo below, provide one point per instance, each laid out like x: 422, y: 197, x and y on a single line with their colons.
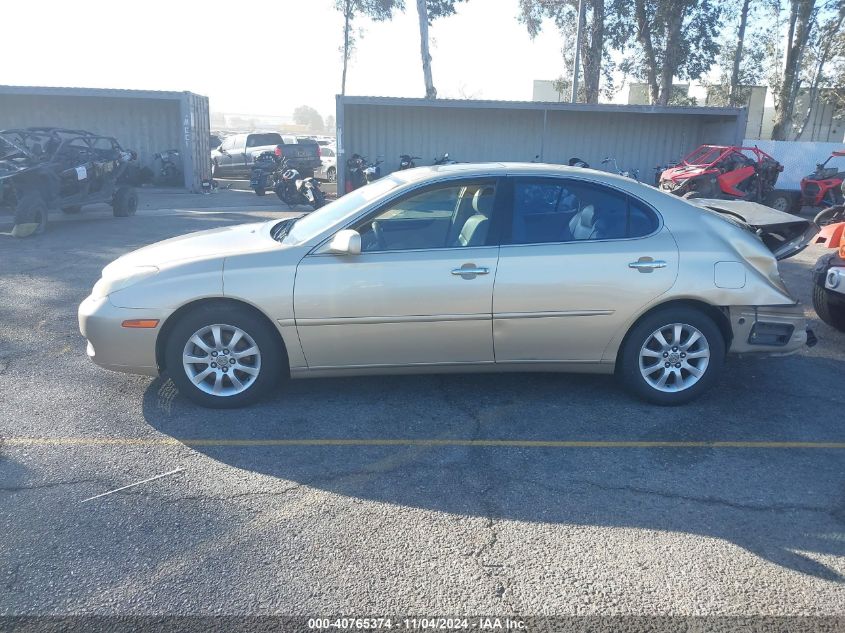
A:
x: 581, y: 9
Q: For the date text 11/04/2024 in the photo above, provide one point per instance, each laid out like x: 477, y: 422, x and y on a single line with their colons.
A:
x: 421, y: 623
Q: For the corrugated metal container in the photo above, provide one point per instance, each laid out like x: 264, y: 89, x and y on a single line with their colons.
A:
x: 639, y: 137
x: 144, y: 121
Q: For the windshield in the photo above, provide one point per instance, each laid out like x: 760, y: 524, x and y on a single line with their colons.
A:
x: 313, y: 224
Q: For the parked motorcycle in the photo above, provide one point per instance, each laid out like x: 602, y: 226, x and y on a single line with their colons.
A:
x: 169, y: 172
x: 293, y: 190
x: 634, y: 174
x: 445, y: 160
x: 266, y: 173
x: 355, y: 177
x: 578, y: 162
x: 372, y: 171
x: 406, y: 161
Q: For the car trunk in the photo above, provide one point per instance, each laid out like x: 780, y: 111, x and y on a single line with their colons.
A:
x: 783, y: 233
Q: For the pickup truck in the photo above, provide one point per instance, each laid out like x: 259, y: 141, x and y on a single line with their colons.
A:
x: 235, y: 156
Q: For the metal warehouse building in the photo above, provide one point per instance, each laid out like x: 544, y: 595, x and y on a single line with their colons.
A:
x: 639, y: 137
x: 142, y: 120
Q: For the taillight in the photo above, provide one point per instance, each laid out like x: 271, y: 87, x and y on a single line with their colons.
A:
x: 278, y: 151
x: 319, y: 153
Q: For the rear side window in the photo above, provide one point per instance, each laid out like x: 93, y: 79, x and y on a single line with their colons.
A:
x: 559, y: 210
x: 259, y: 140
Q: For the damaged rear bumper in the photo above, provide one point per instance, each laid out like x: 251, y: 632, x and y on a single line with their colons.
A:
x: 771, y: 330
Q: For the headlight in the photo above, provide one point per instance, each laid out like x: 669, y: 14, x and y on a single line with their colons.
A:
x: 120, y: 279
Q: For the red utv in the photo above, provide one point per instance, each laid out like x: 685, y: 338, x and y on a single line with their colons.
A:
x: 728, y: 172
x: 823, y: 188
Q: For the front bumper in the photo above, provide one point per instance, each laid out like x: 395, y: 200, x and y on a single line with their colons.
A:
x: 111, y: 346
x: 771, y: 330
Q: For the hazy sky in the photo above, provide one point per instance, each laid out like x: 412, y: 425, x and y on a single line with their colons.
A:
x: 269, y: 56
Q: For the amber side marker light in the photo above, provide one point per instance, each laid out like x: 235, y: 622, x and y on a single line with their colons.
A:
x: 140, y: 323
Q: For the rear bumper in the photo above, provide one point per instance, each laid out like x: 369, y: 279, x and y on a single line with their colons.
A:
x: 111, y: 346
x: 771, y: 330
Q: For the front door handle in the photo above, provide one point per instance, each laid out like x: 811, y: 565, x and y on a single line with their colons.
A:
x: 469, y: 271
x: 647, y: 264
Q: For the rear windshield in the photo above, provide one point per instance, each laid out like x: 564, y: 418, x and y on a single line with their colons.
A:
x: 268, y: 138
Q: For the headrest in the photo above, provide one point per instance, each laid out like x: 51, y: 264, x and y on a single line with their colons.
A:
x: 482, y: 201
x: 587, y: 216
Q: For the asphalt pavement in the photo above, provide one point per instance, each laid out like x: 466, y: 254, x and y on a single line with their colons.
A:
x: 479, y: 494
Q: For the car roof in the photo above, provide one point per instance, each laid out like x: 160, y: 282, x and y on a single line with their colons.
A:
x: 513, y: 168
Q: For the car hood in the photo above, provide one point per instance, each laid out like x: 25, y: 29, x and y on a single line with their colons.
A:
x: 783, y: 233
x: 202, y: 245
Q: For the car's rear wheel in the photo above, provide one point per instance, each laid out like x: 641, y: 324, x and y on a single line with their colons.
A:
x: 829, y: 307
x: 30, y: 215
x: 783, y: 201
x: 259, y: 191
x: 125, y: 202
x: 223, y: 356
x: 672, y: 356
x: 331, y: 174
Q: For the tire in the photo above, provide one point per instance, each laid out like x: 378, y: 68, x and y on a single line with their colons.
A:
x: 783, y: 201
x: 830, y: 309
x: 30, y: 215
x: 709, y: 348
x: 256, y: 332
x: 72, y: 210
x: 831, y: 215
x: 331, y: 174
x: 125, y: 202
x: 689, y: 195
x: 259, y: 191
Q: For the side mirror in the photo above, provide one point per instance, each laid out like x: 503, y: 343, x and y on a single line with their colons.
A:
x: 346, y: 242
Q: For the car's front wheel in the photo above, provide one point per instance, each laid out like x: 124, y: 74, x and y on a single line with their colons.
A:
x: 672, y: 356
x: 223, y: 356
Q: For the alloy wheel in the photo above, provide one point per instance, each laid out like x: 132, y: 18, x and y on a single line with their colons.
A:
x: 674, y: 357
x: 221, y: 360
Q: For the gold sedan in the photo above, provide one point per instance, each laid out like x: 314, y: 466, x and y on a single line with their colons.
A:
x: 489, y: 267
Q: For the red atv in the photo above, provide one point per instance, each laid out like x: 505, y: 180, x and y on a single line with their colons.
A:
x: 823, y: 188
x: 729, y: 172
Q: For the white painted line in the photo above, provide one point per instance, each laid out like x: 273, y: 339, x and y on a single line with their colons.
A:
x: 137, y: 483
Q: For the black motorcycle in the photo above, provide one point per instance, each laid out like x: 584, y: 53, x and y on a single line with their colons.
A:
x: 355, y: 177
x: 445, y: 160
x: 406, y: 161
x: 265, y: 174
x: 169, y: 172
x: 293, y: 190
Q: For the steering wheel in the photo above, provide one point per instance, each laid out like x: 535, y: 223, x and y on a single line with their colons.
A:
x: 378, y: 233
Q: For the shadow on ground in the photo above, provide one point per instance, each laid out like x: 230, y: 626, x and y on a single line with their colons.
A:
x: 785, y: 505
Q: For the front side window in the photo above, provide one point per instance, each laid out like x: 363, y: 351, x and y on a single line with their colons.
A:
x: 560, y: 210
x: 445, y: 216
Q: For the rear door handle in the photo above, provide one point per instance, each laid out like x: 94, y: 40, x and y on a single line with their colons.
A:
x: 646, y: 264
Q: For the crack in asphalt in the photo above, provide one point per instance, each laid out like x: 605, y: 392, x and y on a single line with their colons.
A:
x: 51, y: 484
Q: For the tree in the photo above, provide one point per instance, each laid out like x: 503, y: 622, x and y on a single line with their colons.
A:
x: 377, y: 10
x: 801, y: 19
x: 669, y: 38
x: 599, y: 20
x: 737, y: 60
x: 306, y: 115
x: 427, y: 12
x: 331, y: 127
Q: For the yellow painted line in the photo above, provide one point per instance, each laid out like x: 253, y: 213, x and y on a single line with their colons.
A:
x: 117, y: 441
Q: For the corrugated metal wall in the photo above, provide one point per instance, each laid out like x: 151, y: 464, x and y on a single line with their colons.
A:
x: 146, y: 125
x: 638, y: 140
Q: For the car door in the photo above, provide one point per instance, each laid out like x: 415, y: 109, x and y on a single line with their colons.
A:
x: 578, y: 259
x: 419, y: 293
x: 224, y: 160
